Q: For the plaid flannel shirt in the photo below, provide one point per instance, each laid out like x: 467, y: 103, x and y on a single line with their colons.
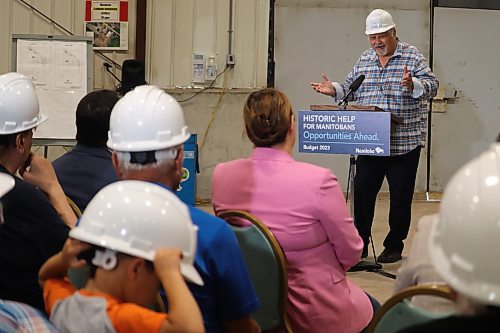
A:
x: 382, y: 87
x: 19, y: 317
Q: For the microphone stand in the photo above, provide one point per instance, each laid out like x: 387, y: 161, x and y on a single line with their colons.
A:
x: 362, y: 265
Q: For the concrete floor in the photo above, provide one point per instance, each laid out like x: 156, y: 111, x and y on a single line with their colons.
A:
x: 377, y: 285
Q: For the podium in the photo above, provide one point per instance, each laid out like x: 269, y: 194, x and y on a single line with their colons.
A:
x: 363, y: 265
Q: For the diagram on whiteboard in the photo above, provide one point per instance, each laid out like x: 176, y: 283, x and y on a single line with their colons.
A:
x: 59, y: 72
x: 68, y: 62
x: 34, y: 56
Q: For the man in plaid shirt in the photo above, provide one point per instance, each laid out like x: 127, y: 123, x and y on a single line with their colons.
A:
x: 397, y: 79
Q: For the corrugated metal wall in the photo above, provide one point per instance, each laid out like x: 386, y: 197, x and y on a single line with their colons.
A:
x: 177, y: 29
x: 17, y: 18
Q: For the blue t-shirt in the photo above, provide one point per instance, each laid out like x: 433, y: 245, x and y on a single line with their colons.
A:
x: 227, y: 293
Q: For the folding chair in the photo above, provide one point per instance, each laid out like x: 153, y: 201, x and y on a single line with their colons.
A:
x: 398, y: 313
x: 266, y: 264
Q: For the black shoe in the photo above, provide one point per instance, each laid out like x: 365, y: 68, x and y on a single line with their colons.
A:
x: 389, y: 256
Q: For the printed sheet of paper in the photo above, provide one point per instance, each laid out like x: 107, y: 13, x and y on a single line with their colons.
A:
x: 59, y: 72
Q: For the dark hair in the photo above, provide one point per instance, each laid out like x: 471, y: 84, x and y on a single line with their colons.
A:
x: 9, y: 140
x: 92, y: 117
x: 267, y: 114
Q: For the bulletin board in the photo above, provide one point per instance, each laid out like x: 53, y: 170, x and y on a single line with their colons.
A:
x: 61, y: 68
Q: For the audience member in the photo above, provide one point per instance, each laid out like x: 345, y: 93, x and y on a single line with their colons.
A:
x: 147, y: 130
x: 304, y: 207
x: 463, y: 244
x: 37, y: 216
x: 15, y: 316
x: 87, y: 168
x: 417, y: 269
x: 139, y: 235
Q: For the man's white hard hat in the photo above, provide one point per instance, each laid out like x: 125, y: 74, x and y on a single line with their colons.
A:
x: 146, y: 119
x: 19, y: 109
x: 378, y: 21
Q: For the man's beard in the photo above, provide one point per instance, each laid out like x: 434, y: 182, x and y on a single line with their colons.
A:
x: 381, y: 51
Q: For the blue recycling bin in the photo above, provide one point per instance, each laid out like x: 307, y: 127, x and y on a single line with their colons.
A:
x: 187, y: 188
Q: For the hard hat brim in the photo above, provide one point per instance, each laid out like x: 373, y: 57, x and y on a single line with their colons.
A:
x: 379, y: 30
x: 191, y: 274
x: 147, y: 145
x: 187, y: 269
x: 41, y: 119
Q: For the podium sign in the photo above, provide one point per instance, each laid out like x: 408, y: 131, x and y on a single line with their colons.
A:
x: 344, y: 132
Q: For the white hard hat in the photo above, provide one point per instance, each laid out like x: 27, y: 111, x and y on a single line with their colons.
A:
x: 136, y: 218
x: 146, y: 119
x: 379, y: 21
x: 465, y: 240
x: 19, y: 110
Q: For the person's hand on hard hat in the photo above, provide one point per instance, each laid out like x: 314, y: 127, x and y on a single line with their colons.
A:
x: 167, y: 262
x: 69, y: 254
x: 407, y: 80
x: 324, y: 87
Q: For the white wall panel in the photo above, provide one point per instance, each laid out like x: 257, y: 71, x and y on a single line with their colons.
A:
x: 160, y: 33
x: 5, y: 26
x: 63, y: 12
x: 466, y: 60
x: 201, y: 26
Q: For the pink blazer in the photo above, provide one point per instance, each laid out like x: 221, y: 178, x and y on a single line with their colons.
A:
x: 304, y: 207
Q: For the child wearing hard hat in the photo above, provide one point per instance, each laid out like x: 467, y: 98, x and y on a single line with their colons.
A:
x: 141, y: 236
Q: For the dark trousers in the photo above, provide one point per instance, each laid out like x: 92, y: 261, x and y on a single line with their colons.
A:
x: 401, y: 171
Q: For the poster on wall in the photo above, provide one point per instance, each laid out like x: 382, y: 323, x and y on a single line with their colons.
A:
x: 107, y: 23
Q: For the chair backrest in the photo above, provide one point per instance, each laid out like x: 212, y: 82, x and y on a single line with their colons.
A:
x: 398, y: 313
x: 74, y: 207
x: 266, y: 264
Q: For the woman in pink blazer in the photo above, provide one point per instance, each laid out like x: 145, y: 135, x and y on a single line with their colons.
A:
x: 304, y: 207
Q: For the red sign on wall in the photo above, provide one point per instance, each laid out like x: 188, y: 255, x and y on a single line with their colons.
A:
x: 107, y: 23
x: 106, y: 10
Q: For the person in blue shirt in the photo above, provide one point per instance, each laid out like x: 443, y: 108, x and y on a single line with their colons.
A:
x: 87, y: 168
x: 147, y: 130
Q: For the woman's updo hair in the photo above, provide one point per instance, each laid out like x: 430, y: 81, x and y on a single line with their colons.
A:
x: 267, y: 114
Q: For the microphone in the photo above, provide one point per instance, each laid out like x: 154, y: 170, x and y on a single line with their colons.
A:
x: 352, y: 88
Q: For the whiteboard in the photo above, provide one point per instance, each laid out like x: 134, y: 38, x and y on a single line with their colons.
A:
x: 61, y: 68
